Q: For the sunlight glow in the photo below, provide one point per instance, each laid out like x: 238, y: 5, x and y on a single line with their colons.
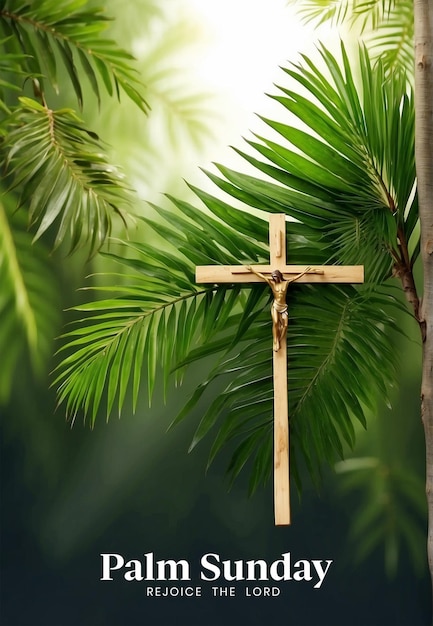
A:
x: 247, y: 42
x: 232, y: 51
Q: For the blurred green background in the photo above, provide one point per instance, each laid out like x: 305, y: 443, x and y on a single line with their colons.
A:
x: 68, y: 494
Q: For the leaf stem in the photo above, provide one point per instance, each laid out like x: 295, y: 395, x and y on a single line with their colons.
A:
x: 138, y: 319
x: 403, y: 266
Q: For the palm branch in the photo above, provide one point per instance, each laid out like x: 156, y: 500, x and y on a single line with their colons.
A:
x: 59, y: 37
x: 392, y: 38
x: 58, y: 165
x: 391, y: 510
x: 56, y: 170
x: 387, y: 26
x: 62, y: 175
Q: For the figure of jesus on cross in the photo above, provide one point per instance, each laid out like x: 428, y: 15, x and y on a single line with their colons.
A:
x: 279, y: 276
x: 279, y: 308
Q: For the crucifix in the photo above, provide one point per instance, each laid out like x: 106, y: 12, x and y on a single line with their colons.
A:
x: 278, y: 275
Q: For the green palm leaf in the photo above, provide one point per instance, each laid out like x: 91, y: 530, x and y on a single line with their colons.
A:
x: 10, y: 70
x: 392, y: 39
x: 391, y: 511
x: 110, y: 346
x: 184, y: 108
x: 58, y: 37
x: 371, y: 12
x: 356, y: 175
x: 64, y: 178
x: 28, y: 301
x: 161, y: 308
x: 387, y: 26
x: 334, y: 375
x: 321, y: 11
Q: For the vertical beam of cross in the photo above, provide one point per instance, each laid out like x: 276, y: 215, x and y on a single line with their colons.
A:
x: 277, y: 252
x: 302, y: 274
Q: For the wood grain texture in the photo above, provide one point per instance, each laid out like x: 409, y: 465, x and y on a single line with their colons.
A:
x: 281, y: 438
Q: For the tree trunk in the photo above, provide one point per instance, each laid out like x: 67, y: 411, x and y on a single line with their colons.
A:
x: 423, y: 16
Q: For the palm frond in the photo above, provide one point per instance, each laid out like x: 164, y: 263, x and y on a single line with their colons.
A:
x: 28, y: 301
x: 373, y: 13
x: 386, y: 25
x: 391, y: 511
x: 154, y: 320
x: 10, y: 69
x: 334, y: 375
x: 321, y: 11
x: 59, y: 37
x: 353, y: 169
x: 162, y: 319
x: 392, y: 40
x: 63, y: 176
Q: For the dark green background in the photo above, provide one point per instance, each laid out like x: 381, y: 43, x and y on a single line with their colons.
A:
x: 128, y: 487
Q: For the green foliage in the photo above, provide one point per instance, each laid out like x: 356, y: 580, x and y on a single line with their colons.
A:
x: 185, y: 107
x: 56, y: 36
x: 342, y: 170
x: 387, y: 26
x: 341, y: 184
x: 55, y: 163
x: 62, y: 175
x: 184, y: 117
x: 370, y: 11
x: 29, y: 304
x: 390, y: 513
x: 351, y: 174
x: 325, y: 395
x: 156, y: 319
x: 321, y: 11
x: 11, y: 66
x: 392, y: 38
x: 55, y: 172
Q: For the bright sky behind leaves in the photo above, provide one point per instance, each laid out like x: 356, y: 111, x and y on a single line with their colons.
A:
x: 245, y: 43
x: 236, y: 51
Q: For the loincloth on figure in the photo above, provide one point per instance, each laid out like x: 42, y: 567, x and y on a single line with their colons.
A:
x: 280, y: 308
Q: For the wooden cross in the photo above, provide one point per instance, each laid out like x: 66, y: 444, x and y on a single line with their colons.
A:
x: 307, y: 274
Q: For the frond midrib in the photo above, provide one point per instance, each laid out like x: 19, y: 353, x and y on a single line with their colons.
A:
x: 326, y: 361
x: 57, y: 35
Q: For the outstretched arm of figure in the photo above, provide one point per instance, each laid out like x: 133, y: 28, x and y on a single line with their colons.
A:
x: 306, y: 271
x: 251, y: 269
